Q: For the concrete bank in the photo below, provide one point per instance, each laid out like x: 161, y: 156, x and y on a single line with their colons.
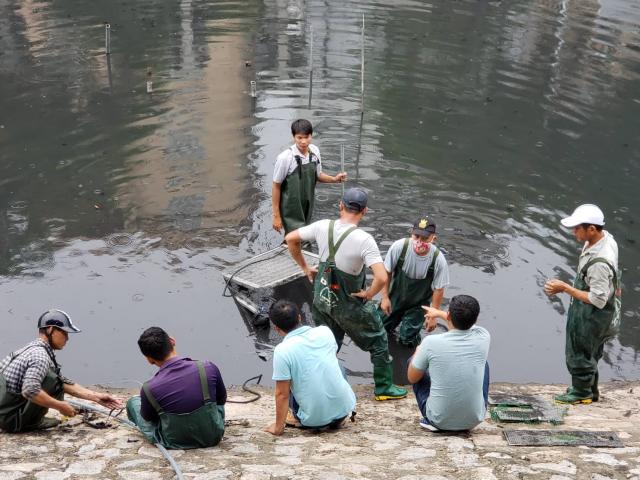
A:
x: 384, y: 442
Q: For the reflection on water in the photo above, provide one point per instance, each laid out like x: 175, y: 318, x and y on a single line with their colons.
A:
x: 497, y: 118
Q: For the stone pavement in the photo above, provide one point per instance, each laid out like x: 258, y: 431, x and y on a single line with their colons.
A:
x: 385, y: 442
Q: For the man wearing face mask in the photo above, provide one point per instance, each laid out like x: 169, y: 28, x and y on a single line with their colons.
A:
x: 418, y: 274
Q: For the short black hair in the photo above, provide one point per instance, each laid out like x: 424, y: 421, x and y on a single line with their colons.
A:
x: 155, y: 343
x: 284, y: 315
x: 464, y: 310
x: 587, y: 225
x: 301, y: 126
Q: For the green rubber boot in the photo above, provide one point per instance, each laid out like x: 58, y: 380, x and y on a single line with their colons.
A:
x: 384, y: 387
x: 595, y: 393
x: 573, y: 397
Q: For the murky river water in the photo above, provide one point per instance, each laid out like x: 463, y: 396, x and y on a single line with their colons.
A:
x: 124, y: 207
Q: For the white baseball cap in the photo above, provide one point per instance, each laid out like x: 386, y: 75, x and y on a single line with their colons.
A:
x: 587, y: 213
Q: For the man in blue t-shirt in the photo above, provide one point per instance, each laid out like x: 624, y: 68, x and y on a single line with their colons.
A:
x: 307, y: 374
x: 449, y: 371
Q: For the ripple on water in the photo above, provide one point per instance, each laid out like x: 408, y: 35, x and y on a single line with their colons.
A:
x: 119, y: 241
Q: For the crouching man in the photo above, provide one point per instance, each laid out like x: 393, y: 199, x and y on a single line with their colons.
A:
x: 31, y: 383
x: 182, y: 406
x: 307, y: 374
x: 449, y: 371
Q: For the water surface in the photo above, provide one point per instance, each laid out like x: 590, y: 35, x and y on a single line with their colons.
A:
x: 123, y: 208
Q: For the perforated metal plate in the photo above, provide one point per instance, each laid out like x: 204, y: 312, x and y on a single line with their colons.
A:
x: 269, y: 269
x: 562, y: 438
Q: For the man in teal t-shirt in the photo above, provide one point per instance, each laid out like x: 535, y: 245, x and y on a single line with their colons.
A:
x: 449, y: 371
x: 307, y: 374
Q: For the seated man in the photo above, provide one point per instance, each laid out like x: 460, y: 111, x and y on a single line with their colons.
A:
x: 31, y: 383
x: 449, y: 371
x: 307, y: 374
x: 182, y: 406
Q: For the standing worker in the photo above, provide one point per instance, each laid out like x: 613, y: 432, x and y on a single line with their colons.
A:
x: 340, y: 300
x: 31, y: 383
x: 294, y: 180
x: 594, y: 313
x: 418, y: 273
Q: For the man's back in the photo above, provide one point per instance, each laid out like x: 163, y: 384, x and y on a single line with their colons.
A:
x: 176, y: 387
x: 307, y: 357
x: 456, y: 361
x: 358, y: 249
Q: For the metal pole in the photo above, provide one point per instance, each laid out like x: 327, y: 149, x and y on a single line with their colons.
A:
x: 362, y: 69
x: 342, y: 164
x: 310, y: 62
x: 107, y: 38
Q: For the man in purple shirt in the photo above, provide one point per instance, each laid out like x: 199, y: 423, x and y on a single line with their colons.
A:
x: 182, y: 406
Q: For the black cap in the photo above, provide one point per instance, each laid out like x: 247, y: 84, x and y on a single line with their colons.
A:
x: 58, y: 319
x: 355, y: 199
x: 424, y: 226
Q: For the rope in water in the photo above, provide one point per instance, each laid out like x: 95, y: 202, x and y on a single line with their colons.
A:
x: 86, y: 407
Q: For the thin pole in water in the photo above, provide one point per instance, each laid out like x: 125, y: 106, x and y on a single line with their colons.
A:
x: 107, y: 38
x: 342, y: 164
x: 310, y: 62
x: 362, y: 69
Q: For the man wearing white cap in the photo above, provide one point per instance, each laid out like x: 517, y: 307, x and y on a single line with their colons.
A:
x: 594, y: 313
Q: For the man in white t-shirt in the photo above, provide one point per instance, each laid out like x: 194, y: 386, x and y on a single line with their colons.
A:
x: 294, y: 180
x: 340, y: 299
x: 594, y: 313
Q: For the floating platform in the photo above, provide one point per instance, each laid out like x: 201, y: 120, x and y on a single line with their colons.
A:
x: 269, y: 269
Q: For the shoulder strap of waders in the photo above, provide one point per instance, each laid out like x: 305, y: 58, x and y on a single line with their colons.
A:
x: 583, y: 272
x: 333, y: 249
x: 203, y: 382
x: 433, y: 260
x: 152, y: 400
x: 403, y: 255
x: 15, y: 355
x: 299, y: 162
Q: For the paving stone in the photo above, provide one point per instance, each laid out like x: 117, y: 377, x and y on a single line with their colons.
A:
x: 217, y: 475
x: 21, y: 467
x: 498, y: 455
x: 604, y: 458
x: 86, y: 467
x: 416, y: 453
x: 562, y: 467
x: 52, y: 475
x: 139, y: 475
x: 133, y: 463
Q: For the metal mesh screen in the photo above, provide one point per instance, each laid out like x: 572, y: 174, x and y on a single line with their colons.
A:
x: 562, y: 438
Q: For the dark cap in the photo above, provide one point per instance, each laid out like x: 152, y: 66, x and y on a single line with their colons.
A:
x: 355, y: 199
x: 58, y: 319
x: 424, y: 226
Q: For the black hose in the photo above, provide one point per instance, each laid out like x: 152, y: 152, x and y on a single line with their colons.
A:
x: 257, y: 395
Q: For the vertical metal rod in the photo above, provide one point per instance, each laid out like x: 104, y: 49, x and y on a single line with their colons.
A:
x: 253, y: 88
x: 342, y: 164
x: 107, y: 38
x: 310, y: 62
x: 362, y: 69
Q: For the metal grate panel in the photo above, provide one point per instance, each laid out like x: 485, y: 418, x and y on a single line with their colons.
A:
x: 525, y: 408
x: 539, y: 438
x: 269, y: 269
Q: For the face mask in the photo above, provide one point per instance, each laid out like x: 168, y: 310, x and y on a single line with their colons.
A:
x: 421, y: 248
